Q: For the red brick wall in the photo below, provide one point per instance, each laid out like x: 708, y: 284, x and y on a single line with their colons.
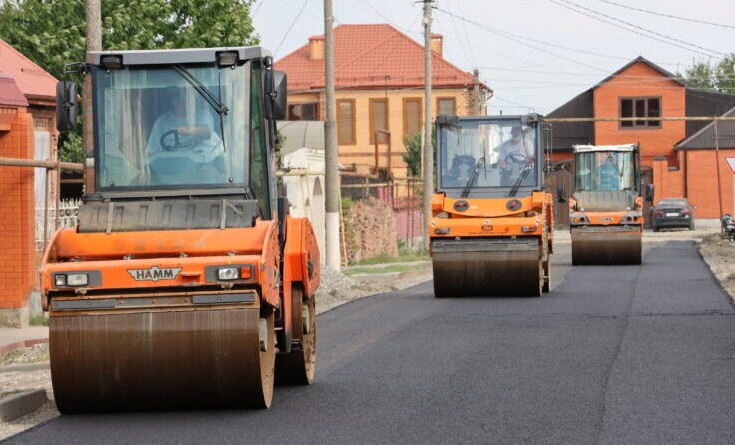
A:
x: 640, y: 80
x: 17, y: 225
x: 702, y: 177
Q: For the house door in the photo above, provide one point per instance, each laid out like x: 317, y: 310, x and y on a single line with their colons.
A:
x: 646, y: 178
x: 559, y: 177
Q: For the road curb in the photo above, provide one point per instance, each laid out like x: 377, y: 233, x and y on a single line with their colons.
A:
x: 23, y: 367
x: 22, y: 403
x: 10, y: 347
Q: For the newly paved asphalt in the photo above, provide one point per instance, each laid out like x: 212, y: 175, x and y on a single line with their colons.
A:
x: 627, y: 354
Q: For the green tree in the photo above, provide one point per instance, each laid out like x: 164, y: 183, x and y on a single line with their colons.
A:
x: 414, y: 148
x: 719, y: 76
x: 412, y: 155
x: 52, y: 32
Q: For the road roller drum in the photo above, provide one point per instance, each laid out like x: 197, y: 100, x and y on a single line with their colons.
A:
x: 487, y: 268
x: 606, y: 246
x: 162, y: 359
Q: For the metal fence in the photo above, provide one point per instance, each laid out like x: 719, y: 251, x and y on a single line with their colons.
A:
x: 65, y: 217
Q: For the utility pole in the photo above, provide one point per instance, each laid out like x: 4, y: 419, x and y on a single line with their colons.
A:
x: 428, y: 152
x: 332, y: 192
x: 477, y: 106
x: 94, y: 25
x: 94, y: 43
x: 719, y: 181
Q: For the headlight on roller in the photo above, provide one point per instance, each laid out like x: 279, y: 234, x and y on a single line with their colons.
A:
x: 60, y: 280
x: 76, y: 279
x: 228, y: 273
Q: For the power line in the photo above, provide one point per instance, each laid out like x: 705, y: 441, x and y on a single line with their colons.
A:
x: 470, y: 61
x: 666, y: 15
x: 503, y: 33
x: 466, y: 33
x: 581, y: 10
x: 517, y: 104
x: 257, y: 8
x: 517, y: 39
x: 387, y: 20
x: 290, y: 27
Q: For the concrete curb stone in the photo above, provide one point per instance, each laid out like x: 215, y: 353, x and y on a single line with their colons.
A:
x: 22, y: 403
x: 5, y: 349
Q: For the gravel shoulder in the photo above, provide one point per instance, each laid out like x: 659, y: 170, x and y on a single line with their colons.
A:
x: 719, y: 254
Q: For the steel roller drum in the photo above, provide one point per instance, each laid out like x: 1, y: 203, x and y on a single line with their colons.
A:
x: 606, y: 247
x: 162, y: 360
x: 487, y: 268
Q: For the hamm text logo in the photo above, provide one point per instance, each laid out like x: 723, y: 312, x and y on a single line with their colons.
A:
x: 154, y: 273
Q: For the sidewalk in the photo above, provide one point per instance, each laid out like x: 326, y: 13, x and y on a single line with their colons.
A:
x: 12, y: 338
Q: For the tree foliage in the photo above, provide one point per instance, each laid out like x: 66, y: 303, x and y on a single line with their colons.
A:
x: 719, y: 76
x: 413, y: 154
x: 52, y: 33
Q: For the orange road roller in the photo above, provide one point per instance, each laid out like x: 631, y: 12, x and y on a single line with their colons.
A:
x: 185, y: 284
x: 605, y: 209
x: 491, y: 231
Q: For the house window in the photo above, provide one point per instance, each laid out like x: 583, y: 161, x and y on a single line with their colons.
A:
x: 378, y: 119
x: 411, y: 117
x: 303, y: 112
x: 346, y: 122
x: 640, y: 107
x: 445, y: 106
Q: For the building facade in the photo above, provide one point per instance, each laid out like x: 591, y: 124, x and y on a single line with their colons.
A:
x: 379, y: 81
x: 28, y: 132
x: 641, y: 90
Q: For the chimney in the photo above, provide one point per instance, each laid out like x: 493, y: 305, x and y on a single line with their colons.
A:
x: 316, y: 47
x: 437, y: 44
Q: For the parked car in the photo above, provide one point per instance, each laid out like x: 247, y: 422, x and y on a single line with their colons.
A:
x: 673, y: 212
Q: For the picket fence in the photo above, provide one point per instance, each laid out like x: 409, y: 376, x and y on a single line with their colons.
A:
x: 66, y: 217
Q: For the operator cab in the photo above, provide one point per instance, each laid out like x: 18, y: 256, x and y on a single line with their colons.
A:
x: 606, y: 168
x: 481, y: 157
x: 181, y: 124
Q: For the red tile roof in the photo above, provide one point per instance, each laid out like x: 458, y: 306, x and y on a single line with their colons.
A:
x: 32, y: 80
x: 10, y: 94
x: 371, y: 56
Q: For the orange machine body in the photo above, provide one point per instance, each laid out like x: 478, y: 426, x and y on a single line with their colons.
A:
x: 529, y: 216
x: 122, y: 263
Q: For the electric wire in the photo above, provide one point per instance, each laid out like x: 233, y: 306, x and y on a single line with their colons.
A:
x: 620, y: 5
x: 303, y: 5
x: 518, y: 39
x: 651, y: 34
x: 470, y: 61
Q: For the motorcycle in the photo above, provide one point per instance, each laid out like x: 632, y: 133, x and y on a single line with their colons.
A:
x: 728, y: 225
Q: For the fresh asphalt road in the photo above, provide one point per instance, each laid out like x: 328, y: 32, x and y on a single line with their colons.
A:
x: 627, y: 354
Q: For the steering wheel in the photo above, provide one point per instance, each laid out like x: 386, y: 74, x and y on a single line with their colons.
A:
x: 170, y: 141
x: 516, y: 157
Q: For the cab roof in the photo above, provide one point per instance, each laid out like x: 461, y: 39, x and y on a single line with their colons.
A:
x: 591, y: 148
x: 173, y: 56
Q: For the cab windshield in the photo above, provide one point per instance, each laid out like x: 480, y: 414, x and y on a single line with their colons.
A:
x: 605, y: 171
x: 477, y: 154
x: 174, y: 126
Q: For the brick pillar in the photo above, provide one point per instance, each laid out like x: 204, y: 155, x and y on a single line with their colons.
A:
x: 660, y: 171
x: 17, y: 223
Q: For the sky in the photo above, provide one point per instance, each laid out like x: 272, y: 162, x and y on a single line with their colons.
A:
x: 535, y: 54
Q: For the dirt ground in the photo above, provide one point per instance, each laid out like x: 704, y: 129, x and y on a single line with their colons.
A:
x: 338, y: 289
x: 720, y: 256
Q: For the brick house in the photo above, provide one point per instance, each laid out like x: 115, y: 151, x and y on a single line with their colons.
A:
x: 17, y: 263
x: 27, y: 131
x: 379, y: 80
x: 643, y: 89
